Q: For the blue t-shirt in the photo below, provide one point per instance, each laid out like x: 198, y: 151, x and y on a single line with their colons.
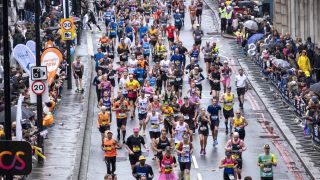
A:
x: 139, y: 74
x: 142, y: 30
x: 98, y: 56
x: 214, y: 110
x: 129, y: 31
x: 177, y: 19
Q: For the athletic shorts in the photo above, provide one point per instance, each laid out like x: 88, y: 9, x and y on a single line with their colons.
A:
x: 121, y: 122
x: 79, y: 75
x: 171, y: 39
x: 239, y: 161
x: 214, y: 124
x: 208, y: 60
x: 154, y: 135
x: 104, y: 128
x: 228, y: 114
x: 198, y: 42
x: 184, y: 165
x: 178, y: 27
x: 134, y: 158
x: 142, y: 116
x: 132, y: 99
x: 241, y: 91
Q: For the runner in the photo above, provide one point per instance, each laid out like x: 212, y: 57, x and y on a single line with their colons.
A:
x: 228, y: 101
x: 204, y: 121
x: 179, y: 129
x: 142, y: 171
x: 121, y: 107
x: 229, y: 164
x: 142, y: 104
x: 197, y: 35
x: 184, y: 150
x: 236, y: 146
x: 215, y: 114
x: 132, y: 87
x: 160, y: 144
x: 215, y: 79
x: 78, y: 70
x: 133, y: 145
x: 242, y: 87
x: 189, y: 113
x: 178, y: 22
x: 192, y: 10
x: 226, y: 75
x: 199, y: 6
x: 239, y: 123
x: 265, y: 162
x: 110, y: 148
x: 167, y: 164
x: 167, y: 112
x: 103, y: 122
x: 92, y: 19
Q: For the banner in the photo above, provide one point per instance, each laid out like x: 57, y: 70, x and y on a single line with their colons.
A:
x: 51, y: 58
x: 19, y: 119
x: 24, y: 57
x: 32, y: 46
x: 316, y: 133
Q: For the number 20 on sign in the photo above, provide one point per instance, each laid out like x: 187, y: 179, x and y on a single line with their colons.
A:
x: 38, y: 87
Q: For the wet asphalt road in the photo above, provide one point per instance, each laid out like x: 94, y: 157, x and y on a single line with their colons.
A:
x: 206, y: 167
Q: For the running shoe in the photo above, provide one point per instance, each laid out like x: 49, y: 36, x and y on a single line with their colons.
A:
x: 215, y: 142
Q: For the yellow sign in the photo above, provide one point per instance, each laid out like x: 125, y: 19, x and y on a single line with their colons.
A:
x: 67, y: 29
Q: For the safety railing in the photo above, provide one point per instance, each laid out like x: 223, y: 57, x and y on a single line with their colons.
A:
x: 282, y: 86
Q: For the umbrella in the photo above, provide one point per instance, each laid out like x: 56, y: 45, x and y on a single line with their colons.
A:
x: 254, y: 38
x: 250, y: 24
x: 315, y: 88
x: 281, y: 63
x: 26, y: 113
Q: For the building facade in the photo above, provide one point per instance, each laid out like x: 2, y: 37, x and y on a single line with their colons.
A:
x: 298, y: 17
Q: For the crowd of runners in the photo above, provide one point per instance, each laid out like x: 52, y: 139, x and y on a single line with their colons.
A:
x: 143, y: 37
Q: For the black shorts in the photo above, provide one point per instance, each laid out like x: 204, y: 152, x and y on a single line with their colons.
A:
x: 104, y: 128
x: 215, y: 86
x: 198, y: 12
x: 241, y: 91
x: 239, y: 161
x: 228, y: 114
x: 154, y: 135
x: 171, y: 39
x: 178, y: 27
x: 266, y: 178
x: 184, y: 165
x: 191, y: 125
x: 77, y: 74
x: 204, y: 130
x: 121, y: 122
x: 134, y: 158
x: 111, y: 36
x: 214, y: 124
x: 242, y: 133
x: 198, y: 42
x: 208, y: 60
x: 142, y: 116
x: 132, y: 99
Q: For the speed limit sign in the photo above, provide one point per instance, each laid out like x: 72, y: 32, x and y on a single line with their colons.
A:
x: 67, y: 25
x: 38, y: 87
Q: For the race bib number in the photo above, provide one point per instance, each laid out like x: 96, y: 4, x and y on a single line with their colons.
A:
x: 185, y: 158
x: 214, y: 117
x: 124, y: 56
x: 186, y: 117
x: 178, y: 79
x: 140, y: 79
x: 111, y: 77
x: 203, y: 128
x: 136, y: 149
x: 108, y: 148
x: 154, y: 126
x: 122, y: 114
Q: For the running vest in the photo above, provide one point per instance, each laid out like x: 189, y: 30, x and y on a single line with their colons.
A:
x: 228, y: 98
x: 146, y: 47
x: 236, y: 147
x: 195, y: 53
x: 163, y: 143
x: 166, y: 164
x: 186, y: 157
x: 104, y: 118
x: 142, y: 105
x: 154, y: 123
x: 106, y: 103
x: 77, y: 67
x: 229, y: 166
x: 207, y: 52
x: 109, y: 148
x: 180, y: 130
x: 108, y: 16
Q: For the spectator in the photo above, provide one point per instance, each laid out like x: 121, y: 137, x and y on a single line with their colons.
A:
x: 18, y: 38
x: 304, y: 62
x: 315, y: 63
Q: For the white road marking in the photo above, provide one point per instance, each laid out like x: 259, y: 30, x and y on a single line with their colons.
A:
x: 195, y: 163
x: 89, y: 44
x: 199, y: 176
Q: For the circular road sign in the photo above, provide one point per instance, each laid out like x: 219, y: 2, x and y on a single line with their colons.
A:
x: 38, y: 87
x: 67, y: 25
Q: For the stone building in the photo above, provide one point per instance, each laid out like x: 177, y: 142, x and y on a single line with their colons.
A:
x: 298, y: 17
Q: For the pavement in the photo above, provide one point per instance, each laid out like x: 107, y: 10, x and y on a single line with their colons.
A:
x: 65, y: 141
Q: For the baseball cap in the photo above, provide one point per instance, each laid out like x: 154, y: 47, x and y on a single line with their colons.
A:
x: 266, y: 146
x: 108, y: 131
x: 225, y: 62
x: 141, y: 158
x: 135, y: 129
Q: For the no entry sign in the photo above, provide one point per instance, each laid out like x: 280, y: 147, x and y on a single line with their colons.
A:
x: 38, y: 87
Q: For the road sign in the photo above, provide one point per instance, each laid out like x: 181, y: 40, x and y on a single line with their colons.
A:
x: 39, y: 73
x: 67, y: 28
x: 38, y: 87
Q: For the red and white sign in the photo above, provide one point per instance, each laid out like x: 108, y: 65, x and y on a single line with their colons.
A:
x: 67, y: 24
x: 38, y: 87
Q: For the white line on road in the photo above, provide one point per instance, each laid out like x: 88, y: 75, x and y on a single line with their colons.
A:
x: 199, y: 176
x: 195, y: 163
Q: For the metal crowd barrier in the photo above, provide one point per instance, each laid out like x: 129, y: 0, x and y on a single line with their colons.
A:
x: 298, y: 103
